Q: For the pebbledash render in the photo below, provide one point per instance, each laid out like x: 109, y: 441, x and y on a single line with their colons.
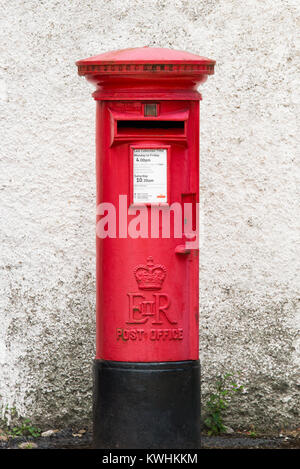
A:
x: 249, y: 201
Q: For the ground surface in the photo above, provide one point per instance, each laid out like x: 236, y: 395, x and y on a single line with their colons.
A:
x: 69, y: 439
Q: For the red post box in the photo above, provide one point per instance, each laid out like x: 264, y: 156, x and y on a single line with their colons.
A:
x: 147, y: 370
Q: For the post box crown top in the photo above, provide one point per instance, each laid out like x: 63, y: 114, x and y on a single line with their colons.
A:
x: 142, y: 60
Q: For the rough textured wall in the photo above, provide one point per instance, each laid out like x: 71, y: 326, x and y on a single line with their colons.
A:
x: 250, y: 255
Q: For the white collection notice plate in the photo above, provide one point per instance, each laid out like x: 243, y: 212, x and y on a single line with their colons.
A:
x: 150, y: 175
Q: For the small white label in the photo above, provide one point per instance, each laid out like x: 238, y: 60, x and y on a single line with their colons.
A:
x: 150, y: 175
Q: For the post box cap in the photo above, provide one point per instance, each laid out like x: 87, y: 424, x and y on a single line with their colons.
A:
x: 142, y: 60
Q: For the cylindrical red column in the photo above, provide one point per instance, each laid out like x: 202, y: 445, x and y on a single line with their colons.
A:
x: 147, y: 371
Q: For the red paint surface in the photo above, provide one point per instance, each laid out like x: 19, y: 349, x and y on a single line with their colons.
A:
x: 147, y: 289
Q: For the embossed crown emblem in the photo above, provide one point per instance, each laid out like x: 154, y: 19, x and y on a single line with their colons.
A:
x: 150, y: 276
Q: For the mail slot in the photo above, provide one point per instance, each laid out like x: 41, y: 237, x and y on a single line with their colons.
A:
x: 146, y: 369
x: 149, y: 128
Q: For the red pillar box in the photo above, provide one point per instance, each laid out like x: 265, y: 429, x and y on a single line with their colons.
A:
x: 146, y: 370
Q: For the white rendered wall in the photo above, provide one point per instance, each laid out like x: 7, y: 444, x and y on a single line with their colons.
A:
x: 250, y: 252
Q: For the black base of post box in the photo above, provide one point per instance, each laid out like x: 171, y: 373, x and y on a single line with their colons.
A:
x: 146, y: 405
